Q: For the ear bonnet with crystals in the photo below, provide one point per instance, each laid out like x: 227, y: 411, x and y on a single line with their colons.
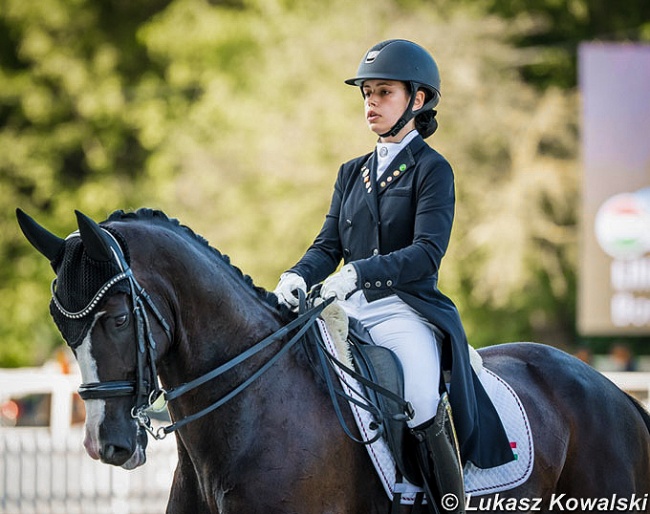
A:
x: 89, y: 266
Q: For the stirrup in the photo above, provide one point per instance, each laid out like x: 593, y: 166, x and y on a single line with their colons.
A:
x: 439, y: 459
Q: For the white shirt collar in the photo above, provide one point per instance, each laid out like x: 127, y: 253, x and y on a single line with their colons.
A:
x: 386, y: 152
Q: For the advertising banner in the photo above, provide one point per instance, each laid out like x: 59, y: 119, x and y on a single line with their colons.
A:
x: 614, y: 272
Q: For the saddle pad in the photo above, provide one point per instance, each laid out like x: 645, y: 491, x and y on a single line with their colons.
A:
x: 477, y: 481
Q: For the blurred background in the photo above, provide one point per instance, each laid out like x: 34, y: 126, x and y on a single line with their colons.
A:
x: 232, y: 116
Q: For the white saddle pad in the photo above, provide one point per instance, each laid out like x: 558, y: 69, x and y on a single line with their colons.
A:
x: 477, y: 481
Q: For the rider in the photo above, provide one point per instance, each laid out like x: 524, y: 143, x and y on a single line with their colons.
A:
x: 390, y: 221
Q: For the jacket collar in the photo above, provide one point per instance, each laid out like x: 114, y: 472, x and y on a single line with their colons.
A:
x: 400, y: 166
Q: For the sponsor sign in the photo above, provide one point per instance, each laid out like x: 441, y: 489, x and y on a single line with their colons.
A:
x: 614, y: 272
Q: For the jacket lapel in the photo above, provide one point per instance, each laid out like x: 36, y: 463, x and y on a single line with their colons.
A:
x: 399, y: 166
x: 370, y: 186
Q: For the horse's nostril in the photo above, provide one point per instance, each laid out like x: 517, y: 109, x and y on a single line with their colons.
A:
x: 108, y: 452
x: 115, y: 455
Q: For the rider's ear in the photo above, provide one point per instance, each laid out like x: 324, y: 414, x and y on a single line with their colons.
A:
x: 42, y: 239
x: 95, y: 241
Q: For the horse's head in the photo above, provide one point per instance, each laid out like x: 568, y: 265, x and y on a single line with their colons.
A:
x: 101, y: 311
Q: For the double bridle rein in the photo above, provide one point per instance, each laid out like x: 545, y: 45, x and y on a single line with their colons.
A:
x: 149, y: 395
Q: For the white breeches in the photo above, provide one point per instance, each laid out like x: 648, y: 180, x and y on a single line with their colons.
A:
x: 395, y: 325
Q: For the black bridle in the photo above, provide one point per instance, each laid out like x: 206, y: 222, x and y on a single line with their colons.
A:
x: 146, y: 388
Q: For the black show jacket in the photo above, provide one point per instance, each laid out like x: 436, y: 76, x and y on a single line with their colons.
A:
x: 395, y: 231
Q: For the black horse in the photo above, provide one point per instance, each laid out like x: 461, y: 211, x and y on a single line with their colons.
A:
x: 143, y: 296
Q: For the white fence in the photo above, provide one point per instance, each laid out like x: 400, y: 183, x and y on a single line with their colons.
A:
x: 42, y: 476
x: 45, y: 470
x: 637, y: 383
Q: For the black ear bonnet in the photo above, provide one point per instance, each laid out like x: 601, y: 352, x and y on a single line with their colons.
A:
x: 79, y: 279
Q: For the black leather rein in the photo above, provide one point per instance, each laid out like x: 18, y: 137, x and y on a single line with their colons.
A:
x: 305, y: 321
x: 146, y: 388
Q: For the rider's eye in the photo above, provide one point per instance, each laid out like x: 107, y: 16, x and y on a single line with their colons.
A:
x: 121, y: 320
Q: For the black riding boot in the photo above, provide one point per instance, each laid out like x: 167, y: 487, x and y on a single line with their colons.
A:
x: 439, y: 460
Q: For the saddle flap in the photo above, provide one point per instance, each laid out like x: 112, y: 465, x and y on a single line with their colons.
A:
x: 381, y: 365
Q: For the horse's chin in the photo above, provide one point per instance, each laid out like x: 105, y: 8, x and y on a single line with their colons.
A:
x: 138, y: 459
x: 139, y: 456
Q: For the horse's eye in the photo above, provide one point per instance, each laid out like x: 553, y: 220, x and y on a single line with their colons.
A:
x: 121, y: 320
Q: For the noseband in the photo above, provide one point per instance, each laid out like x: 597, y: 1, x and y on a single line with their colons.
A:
x: 146, y: 387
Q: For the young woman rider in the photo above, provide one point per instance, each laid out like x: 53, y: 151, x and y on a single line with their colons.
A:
x: 390, y: 221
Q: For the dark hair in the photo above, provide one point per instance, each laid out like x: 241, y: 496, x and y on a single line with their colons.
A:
x: 426, y: 123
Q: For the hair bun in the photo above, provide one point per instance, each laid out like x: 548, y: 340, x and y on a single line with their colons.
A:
x: 426, y: 123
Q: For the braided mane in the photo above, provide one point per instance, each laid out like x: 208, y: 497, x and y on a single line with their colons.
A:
x: 157, y: 216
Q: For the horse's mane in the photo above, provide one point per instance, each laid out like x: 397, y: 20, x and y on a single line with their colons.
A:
x: 156, y: 216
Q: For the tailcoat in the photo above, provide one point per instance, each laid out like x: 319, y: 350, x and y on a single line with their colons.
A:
x: 395, y: 230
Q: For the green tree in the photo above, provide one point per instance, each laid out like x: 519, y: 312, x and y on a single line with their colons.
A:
x: 557, y: 27
x: 233, y: 117
x: 68, y: 74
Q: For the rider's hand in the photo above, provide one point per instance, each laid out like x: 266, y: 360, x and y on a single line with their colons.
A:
x: 341, y: 284
x: 290, y: 282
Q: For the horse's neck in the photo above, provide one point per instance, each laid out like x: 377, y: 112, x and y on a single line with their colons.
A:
x: 216, y: 328
x: 215, y: 316
x: 218, y: 317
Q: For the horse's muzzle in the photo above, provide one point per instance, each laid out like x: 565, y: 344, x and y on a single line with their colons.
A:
x: 118, y: 451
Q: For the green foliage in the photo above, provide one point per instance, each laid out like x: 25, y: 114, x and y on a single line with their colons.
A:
x: 67, y: 141
x: 557, y: 27
x: 233, y: 117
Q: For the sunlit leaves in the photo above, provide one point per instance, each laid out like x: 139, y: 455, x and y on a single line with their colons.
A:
x: 233, y: 116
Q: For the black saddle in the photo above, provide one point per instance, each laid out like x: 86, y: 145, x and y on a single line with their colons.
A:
x: 380, y: 373
x: 381, y: 366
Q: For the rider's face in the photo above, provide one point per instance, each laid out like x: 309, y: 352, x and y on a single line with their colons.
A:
x: 385, y: 102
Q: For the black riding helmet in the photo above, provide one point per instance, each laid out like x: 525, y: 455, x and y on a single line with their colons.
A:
x: 399, y: 59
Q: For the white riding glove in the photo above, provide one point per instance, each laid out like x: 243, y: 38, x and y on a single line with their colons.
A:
x: 340, y: 284
x: 290, y: 282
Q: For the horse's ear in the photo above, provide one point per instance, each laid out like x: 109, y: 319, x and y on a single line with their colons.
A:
x: 42, y: 239
x: 95, y: 241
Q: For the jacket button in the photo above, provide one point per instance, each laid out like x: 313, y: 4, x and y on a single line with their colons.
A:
x: 389, y: 283
x: 347, y: 252
x: 378, y: 284
x: 367, y: 285
x: 375, y: 251
x: 348, y: 223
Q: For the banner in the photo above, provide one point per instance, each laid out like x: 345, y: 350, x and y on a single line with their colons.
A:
x: 614, y: 273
